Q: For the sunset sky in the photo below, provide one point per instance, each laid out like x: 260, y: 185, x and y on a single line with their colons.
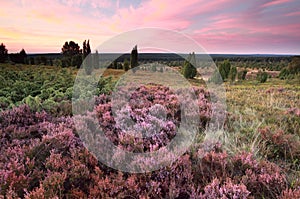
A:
x: 220, y: 26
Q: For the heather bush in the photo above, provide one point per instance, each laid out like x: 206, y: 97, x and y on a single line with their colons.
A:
x: 281, y: 145
x: 226, y: 190
x: 43, y: 157
x: 153, y: 114
x: 290, y: 194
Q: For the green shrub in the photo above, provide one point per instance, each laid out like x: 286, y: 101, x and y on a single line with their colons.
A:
x: 33, y: 102
x: 224, y: 69
x: 4, y: 102
x: 262, y: 76
x: 189, y: 71
x: 126, y: 65
x: 232, y: 73
x: 242, y: 75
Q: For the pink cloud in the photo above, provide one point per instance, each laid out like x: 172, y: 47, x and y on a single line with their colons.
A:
x: 293, y: 14
x: 217, y: 23
x: 276, y: 2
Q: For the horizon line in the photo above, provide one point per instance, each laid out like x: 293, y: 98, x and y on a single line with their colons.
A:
x: 212, y: 53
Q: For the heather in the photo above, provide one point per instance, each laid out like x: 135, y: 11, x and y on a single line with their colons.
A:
x: 254, y: 155
x: 44, y: 156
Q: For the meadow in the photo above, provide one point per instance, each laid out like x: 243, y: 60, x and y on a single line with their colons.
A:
x: 256, y: 154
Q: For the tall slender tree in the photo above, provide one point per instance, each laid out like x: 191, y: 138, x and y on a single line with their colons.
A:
x: 84, y: 54
x: 134, y: 58
x: 88, y: 48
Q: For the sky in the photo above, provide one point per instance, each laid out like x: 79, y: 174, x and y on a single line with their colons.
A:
x: 219, y: 26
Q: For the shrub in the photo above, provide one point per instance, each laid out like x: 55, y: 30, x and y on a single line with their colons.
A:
x: 227, y: 190
x: 126, y: 65
x: 224, y: 69
x: 189, y: 71
x: 262, y: 76
x: 42, y: 156
x: 281, y: 145
x: 242, y: 75
x: 232, y: 73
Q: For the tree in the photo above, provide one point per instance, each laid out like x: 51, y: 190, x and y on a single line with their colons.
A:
x: 232, y: 73
x: 76, y: 61
x: 18, y: 57
x: 3, y: 53
x: 23, y: 56
x: 71, y: 54
x: 31, y: 61
x: 70, y: 49
x: 189, y: 71
x: 292, y: 69
x: 134, y: 58
x: 126, y: 65
x: 86, y: 48
x: 224, y: 69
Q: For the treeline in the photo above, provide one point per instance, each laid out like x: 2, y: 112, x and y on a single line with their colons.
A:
x: 292, y: 70
x: 20, y: 57
x: 73, y: 55
x: 227, y: 72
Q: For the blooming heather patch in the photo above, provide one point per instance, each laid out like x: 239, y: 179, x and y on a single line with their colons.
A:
x: 43, y: 157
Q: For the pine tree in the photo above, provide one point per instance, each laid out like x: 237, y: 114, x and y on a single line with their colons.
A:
x: 134, y: 58
x: 88, y: 48
x: 23, y: 56
x: 3, y: 53
x: 84, y: 50
x: 189, y: 71
x: 224, y: 69
x: 126, y: 65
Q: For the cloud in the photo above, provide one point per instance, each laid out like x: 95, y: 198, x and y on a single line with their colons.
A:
x: 92, y: 3
x: 220, y: 25
x: 276, y: 2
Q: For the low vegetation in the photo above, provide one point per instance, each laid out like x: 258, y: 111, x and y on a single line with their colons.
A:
x: 255, y: 155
